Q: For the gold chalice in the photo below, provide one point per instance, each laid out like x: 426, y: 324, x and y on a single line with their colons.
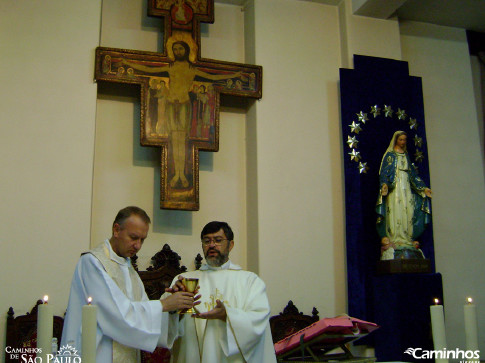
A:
x: 190, y: 286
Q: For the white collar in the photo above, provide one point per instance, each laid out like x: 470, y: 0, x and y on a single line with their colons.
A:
x: 114, y: 257
x: 227, y: 266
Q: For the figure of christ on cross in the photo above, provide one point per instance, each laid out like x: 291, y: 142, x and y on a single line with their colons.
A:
x: 181, y: 73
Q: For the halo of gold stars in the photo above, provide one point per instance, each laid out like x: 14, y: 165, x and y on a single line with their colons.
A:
x: 375, y: 110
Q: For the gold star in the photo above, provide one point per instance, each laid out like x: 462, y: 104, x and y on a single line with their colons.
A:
x: 401, y: 114
x: 413, y: 124
x: 418, y: 141
x: 352, y: 141
x: 362, y: 117
x: 375, y: 110
x: 388, y: 111
x: 363, y: 168
x: 355, y: 127
x: 418, y: 156
x: 355, y: 155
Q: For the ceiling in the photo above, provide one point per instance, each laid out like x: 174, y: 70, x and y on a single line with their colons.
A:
x: 466, y: 14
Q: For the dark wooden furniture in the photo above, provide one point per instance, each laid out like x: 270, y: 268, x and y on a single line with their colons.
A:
x: 290, y: 321
x: 22, y: 330
x: 165, y: 265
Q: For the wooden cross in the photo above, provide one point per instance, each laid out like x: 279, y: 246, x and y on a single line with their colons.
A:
x: 179, y: 94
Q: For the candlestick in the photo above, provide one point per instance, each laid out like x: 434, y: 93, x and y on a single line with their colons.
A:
x: 438, y: 328
x: 88, y: 338
x: 471, y: 329
x: 45, y: 324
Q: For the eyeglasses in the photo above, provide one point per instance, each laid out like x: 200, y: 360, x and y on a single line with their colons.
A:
x: 217, y: 241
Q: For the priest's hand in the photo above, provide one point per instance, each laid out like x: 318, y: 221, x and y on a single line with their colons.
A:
x: 219, y: 312
x: 384, y: 190
x: 178, y: 301
x: 178, y: 286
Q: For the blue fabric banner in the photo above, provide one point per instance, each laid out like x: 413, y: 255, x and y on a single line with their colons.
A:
x: 378, y: 97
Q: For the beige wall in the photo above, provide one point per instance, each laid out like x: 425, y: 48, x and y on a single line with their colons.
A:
x: 299, y: 200
x: 47, y: 102
x: 71, y: 160
x: 440, y: 56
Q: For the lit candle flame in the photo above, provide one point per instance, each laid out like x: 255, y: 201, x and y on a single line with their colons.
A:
x: 46, y: 299
x: 90, y: 299
x: 469, y: 300
x: 436, y: 301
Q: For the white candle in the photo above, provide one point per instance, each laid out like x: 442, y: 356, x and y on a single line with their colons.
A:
x: 88, y: 338
x: 438, y: 328
x: 471, y: 329
x: 45, y: 324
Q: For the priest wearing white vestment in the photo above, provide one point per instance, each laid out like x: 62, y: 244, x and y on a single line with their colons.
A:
x: 126, y: 320
x: 232, y: 323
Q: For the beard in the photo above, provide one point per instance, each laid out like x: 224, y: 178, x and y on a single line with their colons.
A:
x: 180, y: 58
x: 216, y: 260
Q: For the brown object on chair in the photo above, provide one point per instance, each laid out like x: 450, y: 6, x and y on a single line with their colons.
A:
x: 22, y: 330
x: 165, y: 266
x: 198, y: 261
x: 290, y: 321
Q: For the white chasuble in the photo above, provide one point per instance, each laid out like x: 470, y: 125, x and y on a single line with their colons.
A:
x: 127, y: 320
x: 245, y: 336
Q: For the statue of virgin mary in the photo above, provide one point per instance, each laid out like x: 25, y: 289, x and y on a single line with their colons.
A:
x: 403, y: 204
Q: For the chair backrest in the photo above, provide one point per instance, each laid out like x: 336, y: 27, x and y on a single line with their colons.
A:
x: 290, y: 321
x: 165, y: 265
x: 22, y: 330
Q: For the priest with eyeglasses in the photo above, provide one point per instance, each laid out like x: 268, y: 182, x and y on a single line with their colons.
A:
x: 231, y: 323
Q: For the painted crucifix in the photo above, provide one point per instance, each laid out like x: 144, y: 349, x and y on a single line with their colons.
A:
x: 179, y: 94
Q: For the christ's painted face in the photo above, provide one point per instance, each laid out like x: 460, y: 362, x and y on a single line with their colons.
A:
x: 178, y: 51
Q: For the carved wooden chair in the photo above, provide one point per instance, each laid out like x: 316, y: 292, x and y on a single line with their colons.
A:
x: 290, y: 321
x: 22, y: 330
